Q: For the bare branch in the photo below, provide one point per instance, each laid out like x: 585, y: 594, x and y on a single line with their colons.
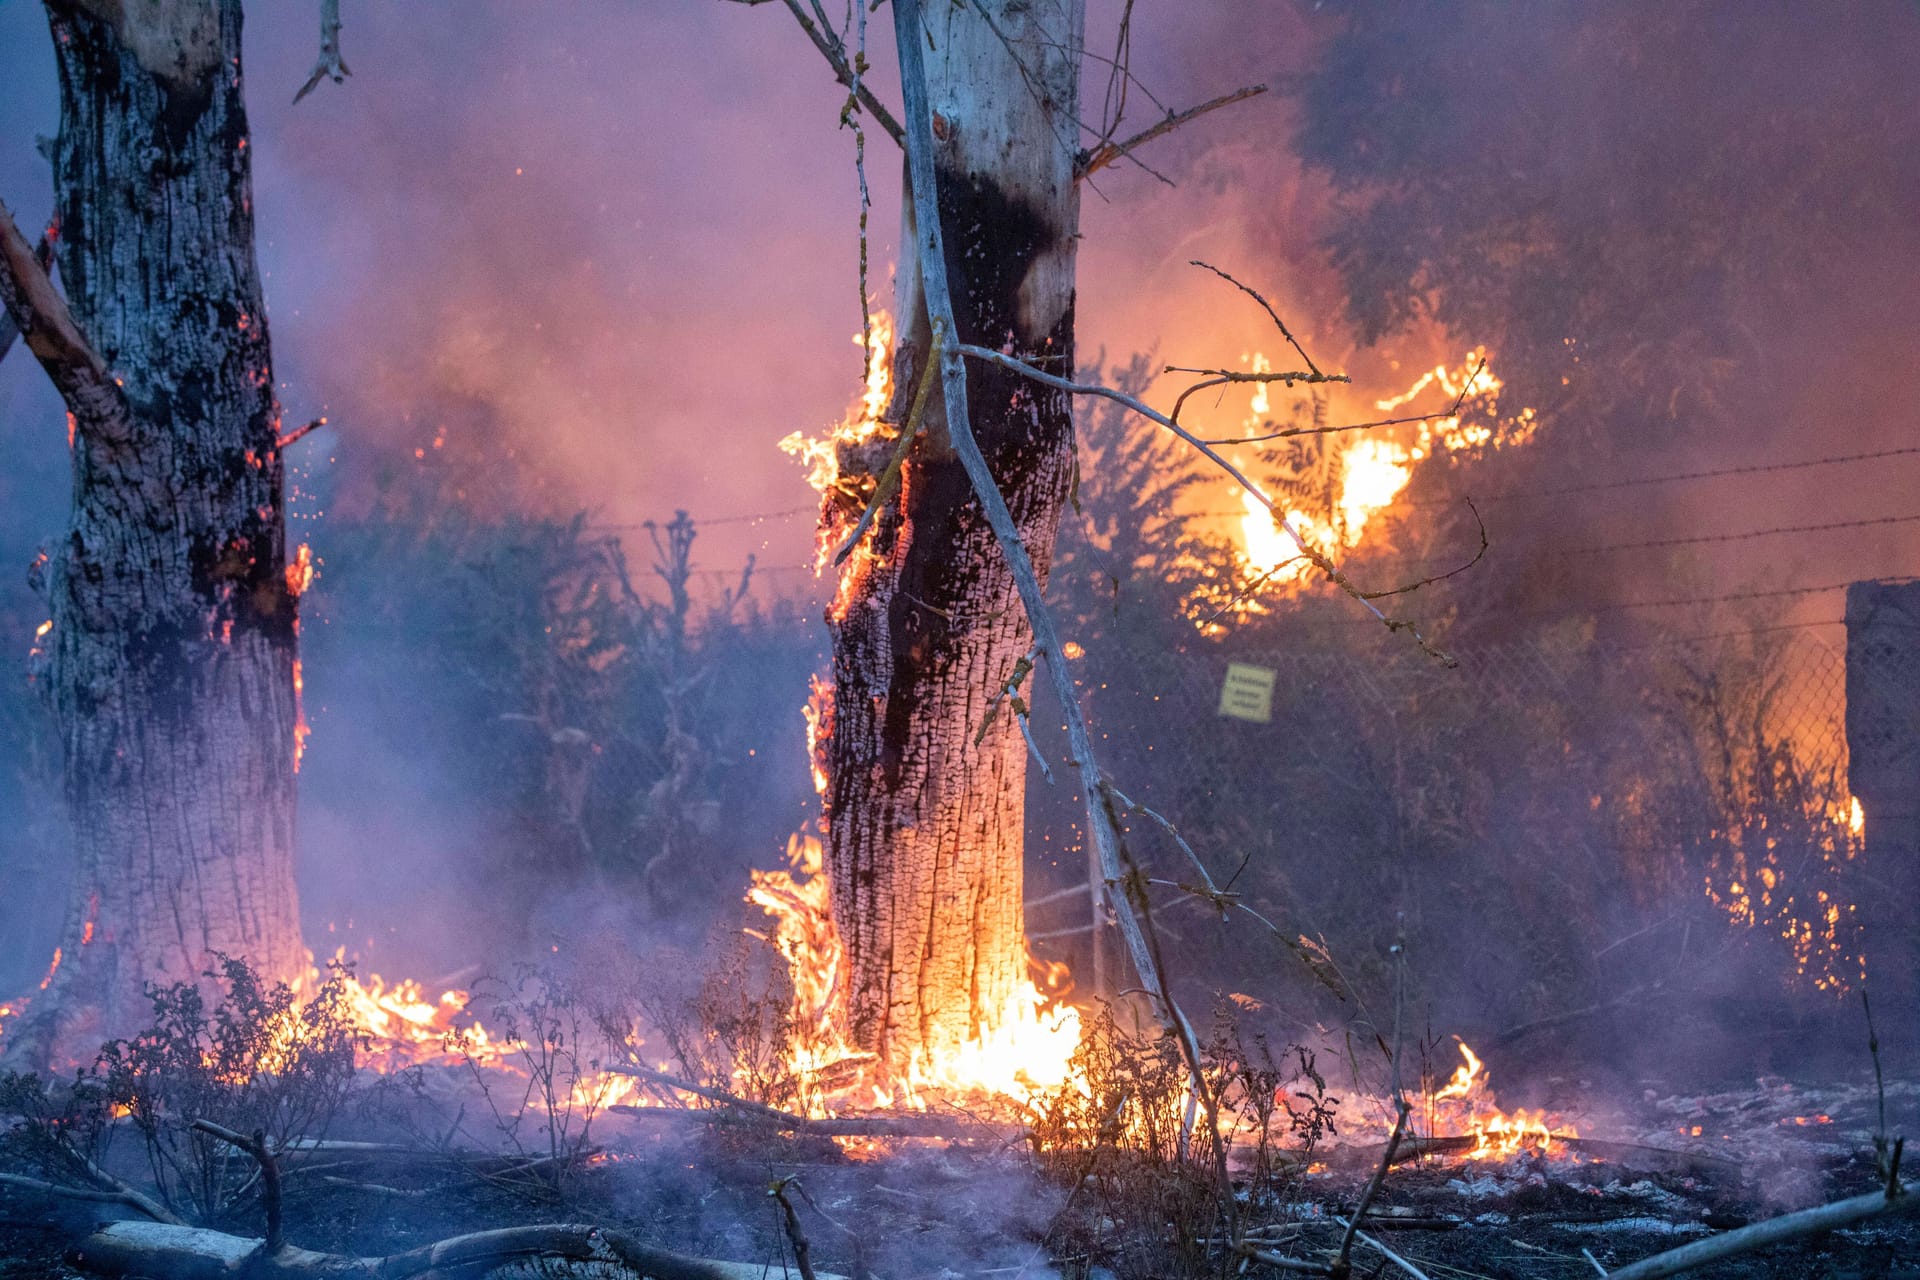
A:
x: 1453, y: 412
x: 299, y: 433
x: 836, y: 55
x: 329, y: 65
x: 1223, y: 377
x: 1273, y: 315
x: 1089, y: 162
x: 256, y: 1146
x: 1412, y: 587
x: 1319, y: 559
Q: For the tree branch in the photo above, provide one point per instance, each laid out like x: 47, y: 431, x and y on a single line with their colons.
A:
x: 1318, y: 558
x: 119, y: 1193
x: 256, y: 1146
x: 329, y: 65
x: 836, y: 55
x: 94, y: 397
x: 1091, y: 161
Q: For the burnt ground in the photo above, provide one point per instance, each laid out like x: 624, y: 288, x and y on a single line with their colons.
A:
x: 915, y: 1211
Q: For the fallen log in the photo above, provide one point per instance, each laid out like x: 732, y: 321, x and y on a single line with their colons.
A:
x: 154, y: 1249
x: 745, y: 1111
x: 1632, y: 1154
x: 919, y: 1125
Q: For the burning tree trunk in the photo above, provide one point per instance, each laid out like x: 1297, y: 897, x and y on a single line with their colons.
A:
x: 924, y: 798
x: 173, y: 668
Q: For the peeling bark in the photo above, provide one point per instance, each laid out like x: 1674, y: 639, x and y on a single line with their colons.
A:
x: 924, y: 817
x: 174, y: 640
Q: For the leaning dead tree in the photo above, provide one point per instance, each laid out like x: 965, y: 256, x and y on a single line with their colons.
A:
x: 173, y: 659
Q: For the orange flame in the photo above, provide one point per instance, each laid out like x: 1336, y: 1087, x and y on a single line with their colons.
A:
x: 1369, y: 473
x: 1465, y: 1107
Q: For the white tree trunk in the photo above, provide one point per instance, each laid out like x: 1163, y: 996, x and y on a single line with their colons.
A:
x: 924, y: 818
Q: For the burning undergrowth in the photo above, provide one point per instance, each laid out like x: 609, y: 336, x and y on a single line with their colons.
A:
x: 1103, y: 1174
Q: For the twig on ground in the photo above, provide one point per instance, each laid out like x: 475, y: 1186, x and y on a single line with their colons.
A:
x: 1389, y: 1254
x: 1341, y: 1264
x: 329, y: 65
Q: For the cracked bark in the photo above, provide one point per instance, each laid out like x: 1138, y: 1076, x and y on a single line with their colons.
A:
x: 924, y: 820
x: 174, y: 640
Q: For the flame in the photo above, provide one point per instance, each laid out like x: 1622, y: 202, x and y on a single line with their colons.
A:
x: 301, y: 729
x: 842, y: 499
x: 1465, y: 1107
x: 1018, y: 1051
x: 1367, y: 474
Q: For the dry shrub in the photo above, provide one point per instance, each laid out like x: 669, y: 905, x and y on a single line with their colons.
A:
x: 1146, y: 1199
x: 253, y: 1060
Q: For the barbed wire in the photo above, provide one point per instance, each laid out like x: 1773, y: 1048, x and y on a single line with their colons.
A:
x: 1707, y: 538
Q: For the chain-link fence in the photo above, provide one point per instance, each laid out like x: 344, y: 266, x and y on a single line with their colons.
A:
x: 1549, y: 824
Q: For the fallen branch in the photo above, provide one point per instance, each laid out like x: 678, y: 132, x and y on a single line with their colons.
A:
x: 737, y: 1110
x: 158, y: 1249
x: 1827, y: 1217
x: 903, y: 1126
x: 104, y: 1195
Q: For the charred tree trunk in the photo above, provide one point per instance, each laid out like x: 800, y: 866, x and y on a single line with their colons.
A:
x: 173, y: 665
x: 924, y: 815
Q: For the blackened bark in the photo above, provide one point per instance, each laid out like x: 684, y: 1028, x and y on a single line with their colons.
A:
x: 924, y: 818
x: 174, y: 642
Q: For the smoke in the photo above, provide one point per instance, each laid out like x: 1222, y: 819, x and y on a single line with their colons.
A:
x: 531, y: 260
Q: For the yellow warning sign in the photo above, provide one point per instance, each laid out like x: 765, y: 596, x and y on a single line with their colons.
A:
x: 1248, y: 693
